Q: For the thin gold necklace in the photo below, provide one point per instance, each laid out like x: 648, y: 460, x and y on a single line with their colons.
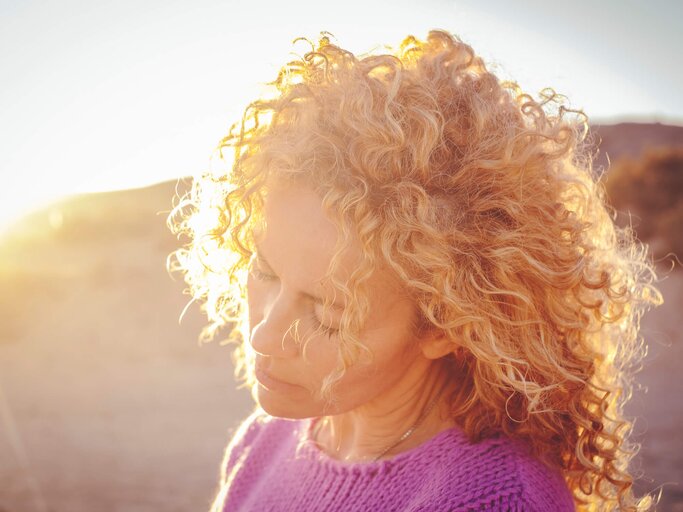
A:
x: 408, y: 432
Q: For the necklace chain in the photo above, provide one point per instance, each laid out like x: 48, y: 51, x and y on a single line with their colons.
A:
x: 411, y: 430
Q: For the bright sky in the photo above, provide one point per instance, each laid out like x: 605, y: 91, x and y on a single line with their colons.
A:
x: 116, y: 94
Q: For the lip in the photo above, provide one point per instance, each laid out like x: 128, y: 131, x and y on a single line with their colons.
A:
x: 271, y: 383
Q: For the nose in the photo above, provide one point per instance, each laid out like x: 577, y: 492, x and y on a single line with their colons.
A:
x: 274, y: 334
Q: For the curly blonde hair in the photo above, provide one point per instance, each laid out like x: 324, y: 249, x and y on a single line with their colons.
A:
x: 483, y: 202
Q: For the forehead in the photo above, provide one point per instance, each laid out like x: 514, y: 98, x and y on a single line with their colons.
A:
x: 294, y: 216
x: 299, y: 241
x: 298, y: 237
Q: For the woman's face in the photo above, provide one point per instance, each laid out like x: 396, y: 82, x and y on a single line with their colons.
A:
x: 293, y: 255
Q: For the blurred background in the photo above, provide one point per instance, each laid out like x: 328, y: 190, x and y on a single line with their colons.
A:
x: 107, y: 401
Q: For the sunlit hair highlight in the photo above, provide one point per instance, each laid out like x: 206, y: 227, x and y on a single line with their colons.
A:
x: 483, y: 203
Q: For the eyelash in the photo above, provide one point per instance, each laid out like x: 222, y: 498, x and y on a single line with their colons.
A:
x: 262, y: 276
x: 328, y: 331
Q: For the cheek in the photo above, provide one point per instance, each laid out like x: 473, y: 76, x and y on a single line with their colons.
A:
x: 394, y: 351
x: 320, y: 358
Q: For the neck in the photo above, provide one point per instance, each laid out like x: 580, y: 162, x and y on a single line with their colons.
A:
x: 367, y: 431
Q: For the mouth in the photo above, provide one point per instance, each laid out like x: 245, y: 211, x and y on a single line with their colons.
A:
x: 271, y: 383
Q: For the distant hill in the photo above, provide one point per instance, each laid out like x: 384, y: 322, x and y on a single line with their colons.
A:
x: 631, y: 139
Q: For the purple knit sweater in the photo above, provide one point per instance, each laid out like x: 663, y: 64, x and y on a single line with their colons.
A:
x: 267, y: 468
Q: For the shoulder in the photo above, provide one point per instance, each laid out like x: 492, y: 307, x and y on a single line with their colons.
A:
x: 541, y: 487
x: 240, y: 441
x: 259, y: 431
x: 493, y: 474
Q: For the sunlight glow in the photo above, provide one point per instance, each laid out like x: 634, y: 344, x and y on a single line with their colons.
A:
x: 105, y: 100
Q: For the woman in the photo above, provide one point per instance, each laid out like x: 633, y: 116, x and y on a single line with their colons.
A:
x: 432, y: 305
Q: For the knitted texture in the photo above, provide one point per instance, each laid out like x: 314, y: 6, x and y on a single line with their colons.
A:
x: 267, y: 468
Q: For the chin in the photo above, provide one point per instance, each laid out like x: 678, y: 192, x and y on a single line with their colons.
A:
x: 283, y: 406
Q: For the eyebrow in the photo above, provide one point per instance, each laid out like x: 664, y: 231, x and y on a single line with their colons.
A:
x: 314, y: 298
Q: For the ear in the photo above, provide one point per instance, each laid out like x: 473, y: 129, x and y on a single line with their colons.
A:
x: 435, y: 344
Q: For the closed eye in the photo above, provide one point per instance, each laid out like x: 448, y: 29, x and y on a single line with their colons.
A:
x: 262, y: 276
x: 327, y: 331
x: 258, y: 273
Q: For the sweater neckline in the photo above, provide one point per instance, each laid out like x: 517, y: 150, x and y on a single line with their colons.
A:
x: 381, y: 465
